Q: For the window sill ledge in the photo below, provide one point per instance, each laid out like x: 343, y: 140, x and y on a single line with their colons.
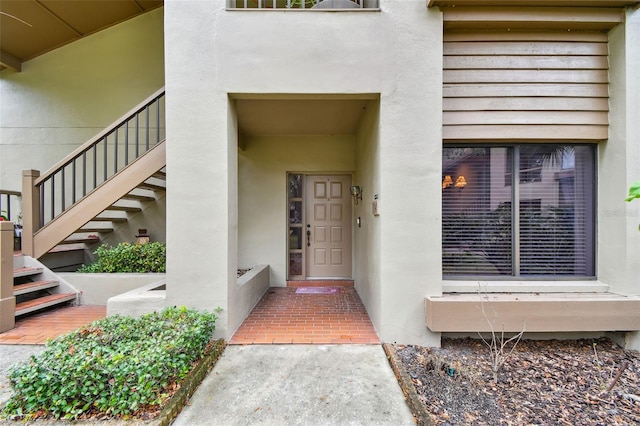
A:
x: 582, y: 286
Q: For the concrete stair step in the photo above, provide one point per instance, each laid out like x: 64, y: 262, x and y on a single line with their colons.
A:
x: 30, y: 287
x: 26, y: 271
x: 43, y: 302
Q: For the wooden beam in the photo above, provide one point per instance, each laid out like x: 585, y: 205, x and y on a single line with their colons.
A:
x: 10, y: 61
x: 556, y: 3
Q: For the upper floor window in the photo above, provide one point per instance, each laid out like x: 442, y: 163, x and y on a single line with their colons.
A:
x: 518, y: 211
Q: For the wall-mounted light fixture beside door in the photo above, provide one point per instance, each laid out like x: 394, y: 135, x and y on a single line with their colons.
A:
x: 356, y: 193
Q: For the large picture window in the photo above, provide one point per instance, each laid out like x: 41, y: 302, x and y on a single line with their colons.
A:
x: 518, y: 211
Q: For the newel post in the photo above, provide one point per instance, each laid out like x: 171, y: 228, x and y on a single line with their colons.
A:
x: 30, y: 209
x: 7, y: 299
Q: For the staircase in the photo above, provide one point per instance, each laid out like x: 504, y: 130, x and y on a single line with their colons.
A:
x: 69, y: 254
x: 35, y: 287
x: 77, y: 202
x: 84, y: 196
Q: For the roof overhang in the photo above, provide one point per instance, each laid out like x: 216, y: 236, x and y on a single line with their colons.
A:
x: 29, y: 28
x: 536, y: 3
x: 533, y: 15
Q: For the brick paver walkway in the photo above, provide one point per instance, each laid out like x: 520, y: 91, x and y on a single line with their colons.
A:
x: 282, y: 316
x: 36, y: 328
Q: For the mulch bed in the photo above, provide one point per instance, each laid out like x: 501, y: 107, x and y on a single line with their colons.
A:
x: 543, y: 382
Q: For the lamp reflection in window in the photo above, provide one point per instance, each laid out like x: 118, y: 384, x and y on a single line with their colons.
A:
x: 460, y: 182
x: 447, y: 182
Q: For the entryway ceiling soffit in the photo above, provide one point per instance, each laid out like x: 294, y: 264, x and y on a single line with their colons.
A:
x: 29, y: 28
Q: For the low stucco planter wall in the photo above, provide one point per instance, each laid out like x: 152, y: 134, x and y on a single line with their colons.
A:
x: 148, y: 298
x: 246, y: 294
x: 96, y: 289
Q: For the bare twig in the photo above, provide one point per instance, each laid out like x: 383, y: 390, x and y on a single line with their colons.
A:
x: 498, y: 345
x: 615, y: 379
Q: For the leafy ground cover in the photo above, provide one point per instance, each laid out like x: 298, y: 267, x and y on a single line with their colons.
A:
x: 580, y: 382
x: 127, y: 257
x: 118, y: 367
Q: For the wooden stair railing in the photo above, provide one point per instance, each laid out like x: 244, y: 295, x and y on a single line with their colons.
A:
x: 115, y: 161
x: 100, y: 199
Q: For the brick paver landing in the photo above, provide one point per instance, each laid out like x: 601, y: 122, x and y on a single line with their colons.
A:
x: 36, y: 328
x: 282, y: 316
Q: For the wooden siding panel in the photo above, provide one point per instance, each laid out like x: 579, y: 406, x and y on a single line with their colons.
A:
x: 525, y: 76
x: 497, y: 88
x: 526, y: 62
x: 456, y: 118
x: 525, y: 104
x: 521, y: 48
x: 511, y: 90
x: 535, y: 133
x: 596, y: 17
x: 592, y: 37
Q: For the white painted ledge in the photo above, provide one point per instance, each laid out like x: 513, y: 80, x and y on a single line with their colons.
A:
x: 581, y: 286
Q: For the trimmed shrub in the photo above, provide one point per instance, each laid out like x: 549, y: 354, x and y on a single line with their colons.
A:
x: 127, y: 257
x: 117, y: 367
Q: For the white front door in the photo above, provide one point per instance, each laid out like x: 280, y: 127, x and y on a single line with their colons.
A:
x: 328, y: 226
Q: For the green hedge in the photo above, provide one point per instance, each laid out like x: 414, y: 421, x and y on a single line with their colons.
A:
x: 127, y: 257
x: 119, y: 367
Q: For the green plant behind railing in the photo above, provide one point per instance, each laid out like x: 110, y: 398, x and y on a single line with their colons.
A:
x: 634, y: 193
x: 127, y: 257
x: 308, y: 4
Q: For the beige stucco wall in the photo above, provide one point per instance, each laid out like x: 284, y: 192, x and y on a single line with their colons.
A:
x: 64, y: 97
x: 212, y: 52
x: 619, y: 164
x: 366, y: 243
x: 262, y: 190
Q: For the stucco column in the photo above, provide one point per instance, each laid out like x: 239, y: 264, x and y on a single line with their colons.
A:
x: 7, y: 299
x: 202, y: 165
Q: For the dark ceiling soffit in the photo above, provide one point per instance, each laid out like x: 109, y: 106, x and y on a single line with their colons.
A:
x: 8, y: 60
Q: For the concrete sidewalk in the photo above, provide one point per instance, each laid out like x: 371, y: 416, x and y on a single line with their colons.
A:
x: 299, y: 385
x: 281, y: 385
x: 10, y: 355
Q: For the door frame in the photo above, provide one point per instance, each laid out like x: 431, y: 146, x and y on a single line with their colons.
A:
x: 300, y: 265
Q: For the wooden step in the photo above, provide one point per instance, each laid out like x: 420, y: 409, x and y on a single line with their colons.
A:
x: 124, y: 209
x: 151, y: 186
x: 138, y: 197
x: 79, y: 241
x: 108, y: 219
x: 43, y: 302
x: 100, y: 230
x: 33, y: 286
x: 160, y: 174
x: 26, y: 271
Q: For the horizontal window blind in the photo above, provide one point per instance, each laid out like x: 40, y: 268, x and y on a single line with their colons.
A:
x: 519, y: 211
